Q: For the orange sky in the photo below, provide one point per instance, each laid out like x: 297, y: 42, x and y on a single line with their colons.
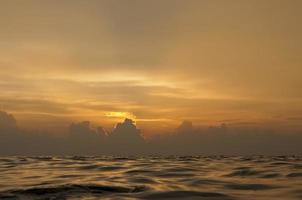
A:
x: 160, y: 62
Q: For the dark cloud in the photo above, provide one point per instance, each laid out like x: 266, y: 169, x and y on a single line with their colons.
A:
x: 15, y: 141
x: 125, y: 131
x: 185, y: 127
x: 83, y: 130
x: 7, y: 122
x: 83, y: 139
x: 127, y: 139
x: 224, y: 140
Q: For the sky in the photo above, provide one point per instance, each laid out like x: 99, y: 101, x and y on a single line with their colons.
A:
x: 158, y: 62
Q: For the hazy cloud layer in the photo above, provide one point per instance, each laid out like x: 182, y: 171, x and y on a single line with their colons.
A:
x: 164, y: 61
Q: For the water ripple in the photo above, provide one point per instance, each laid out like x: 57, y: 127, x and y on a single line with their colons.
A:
x: 195, y: 177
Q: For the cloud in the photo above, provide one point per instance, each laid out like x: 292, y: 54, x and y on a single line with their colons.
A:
x: 83, y: 139
x: 185, y: 127
x: 127, y: 139
x: 83, y: 130
x: 126, y: 131
x: 225, y: 140
x: 163, y: 61
x: 7, y: 123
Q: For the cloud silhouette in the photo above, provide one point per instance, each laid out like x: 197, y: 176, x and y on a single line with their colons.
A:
x: 7, y: 122
x: 83, y: 139
x: 185, y: 127
x: 84, y: 130
x: 81, y: 129
x: 126, y: 130
x: 127, y: 139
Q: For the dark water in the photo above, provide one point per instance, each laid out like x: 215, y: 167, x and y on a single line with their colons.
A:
x: 151, y: 178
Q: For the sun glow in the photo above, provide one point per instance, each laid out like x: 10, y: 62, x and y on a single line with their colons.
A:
x: 120, y: 115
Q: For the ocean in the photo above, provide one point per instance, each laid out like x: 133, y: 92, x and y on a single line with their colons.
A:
x: 198, y: 177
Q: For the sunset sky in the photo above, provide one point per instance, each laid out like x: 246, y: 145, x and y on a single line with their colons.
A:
x: 159, y: 62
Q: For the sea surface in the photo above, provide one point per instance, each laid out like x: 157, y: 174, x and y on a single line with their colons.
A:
x: 215, y: 177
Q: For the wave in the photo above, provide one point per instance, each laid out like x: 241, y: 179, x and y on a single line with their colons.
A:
x: 250, y: 186
x: 197, y: 177
x: 70, y: 189
x: 245, y: 172
x: 293, y: 175
x: 188, y: 195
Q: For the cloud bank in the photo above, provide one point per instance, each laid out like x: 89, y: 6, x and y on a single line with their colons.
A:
x: 127, y: 139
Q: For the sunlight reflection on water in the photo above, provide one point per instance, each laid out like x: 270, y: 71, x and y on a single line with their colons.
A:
x: 214, y: 177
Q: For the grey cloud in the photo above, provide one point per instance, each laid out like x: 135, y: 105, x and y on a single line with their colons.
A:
x: 224, y: 140
x: 7, y: 122
x: 126, y: 139
x: 83, y: 139
x: 83, y: 129
x: 185, y: 127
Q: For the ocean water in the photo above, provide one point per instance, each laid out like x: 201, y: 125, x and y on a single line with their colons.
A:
x: 216, y: 177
